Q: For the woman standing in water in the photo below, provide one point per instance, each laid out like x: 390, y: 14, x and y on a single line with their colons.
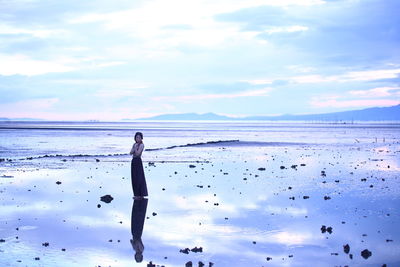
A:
x: 137, y: 173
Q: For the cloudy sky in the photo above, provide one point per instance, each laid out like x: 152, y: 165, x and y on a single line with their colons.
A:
x: 110, y: 60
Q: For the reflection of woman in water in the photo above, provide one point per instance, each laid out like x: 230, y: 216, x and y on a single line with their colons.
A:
x: 137, y: 174
x: 137, y: 222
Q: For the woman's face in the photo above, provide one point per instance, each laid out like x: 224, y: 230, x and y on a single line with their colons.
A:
x: 138, y: 138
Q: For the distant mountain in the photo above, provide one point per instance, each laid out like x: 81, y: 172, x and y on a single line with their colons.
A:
x: 189, y: 116
x: 369, y: 114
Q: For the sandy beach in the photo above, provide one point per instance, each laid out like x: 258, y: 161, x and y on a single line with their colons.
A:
x: 234, y: 203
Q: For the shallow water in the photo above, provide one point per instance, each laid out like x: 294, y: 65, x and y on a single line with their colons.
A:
x: 211, y: 196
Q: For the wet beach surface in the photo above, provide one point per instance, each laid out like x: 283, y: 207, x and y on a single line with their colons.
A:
x: 222, y: 204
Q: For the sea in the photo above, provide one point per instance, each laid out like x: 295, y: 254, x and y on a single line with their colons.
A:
x: 21, y: 140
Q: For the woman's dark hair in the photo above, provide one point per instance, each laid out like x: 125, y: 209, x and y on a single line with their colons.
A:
x: 139, y: 133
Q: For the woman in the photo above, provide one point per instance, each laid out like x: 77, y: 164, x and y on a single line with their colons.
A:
x: 137, y: 174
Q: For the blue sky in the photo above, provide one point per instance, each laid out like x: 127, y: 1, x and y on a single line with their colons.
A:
x: 110, y: 60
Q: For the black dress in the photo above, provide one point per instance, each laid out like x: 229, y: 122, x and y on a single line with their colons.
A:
x: 139, y: 186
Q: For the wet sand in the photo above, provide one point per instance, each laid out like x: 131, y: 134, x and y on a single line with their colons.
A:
x: 217, y: 205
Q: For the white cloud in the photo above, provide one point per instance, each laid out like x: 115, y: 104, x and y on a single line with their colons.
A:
x: 190, y: 98
x: 352, y: 76
x: 150, y: 22
x: 377, y: 92
x: 24, y: 65
x: 354, y: 103
x: 286, y: 29
x: 38, y: 32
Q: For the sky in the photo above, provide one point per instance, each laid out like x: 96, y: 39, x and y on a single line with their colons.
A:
x: 124, y: 59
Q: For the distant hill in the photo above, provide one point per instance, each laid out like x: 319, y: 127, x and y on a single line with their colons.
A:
x: 189, y: 116
x: 369, y: 114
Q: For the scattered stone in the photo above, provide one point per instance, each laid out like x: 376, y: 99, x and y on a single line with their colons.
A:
x: 303, y: 164
x: 335, y: 254
x: 283, y: 167
x: 327, y: 197
x: 196, y: 249
x: 185, y: 251
x: 366, y: 253
x: 58, y: 182
x: 63, y: 249
x: 150, y: 264
x: 293, y: 166
x: 106, y: 198
x: 269, y: 258
x: 346, y: 248
x: 389, y: 240
x: 325, y: 229
x: 37, y: 259
x: 323, y: 174
x: 46, y: 244
x: 192, y: 166
x: 2, y: 241
x: 292, y: 198
x: 306, y: 197
x: 261, y: 169
x: 154, y: 214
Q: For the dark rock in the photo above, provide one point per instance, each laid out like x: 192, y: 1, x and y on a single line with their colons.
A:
x: 185, y: 251
x: 196, y: 249
x: 189, y: 264
x: 283, y: 167
x: 325, y: 229
x: 150, y: 264
x: 366, y: 253
x: 154, y: 213
x: 192, y: 166
x: 389, y: 240
x: 58, y: 182
x: 326, y: 197
x: 97, y: 160
x: 98, y: 205
x: 306, y: 197
x: 46, y: 244
x: 329, y: 230
x: 37, y: 259
x: 269, y: 258
x: 2, y: 241
x: 292, y: 198
x: 323, y: 173
x: 106, y: 198
x: 261, y: 169
x: 293, y: 166
x: 346, y: 248
x: 303, y: 164
x: 201, y: 264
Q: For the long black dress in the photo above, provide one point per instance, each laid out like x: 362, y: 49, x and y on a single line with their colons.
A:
x: 139, y: 186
